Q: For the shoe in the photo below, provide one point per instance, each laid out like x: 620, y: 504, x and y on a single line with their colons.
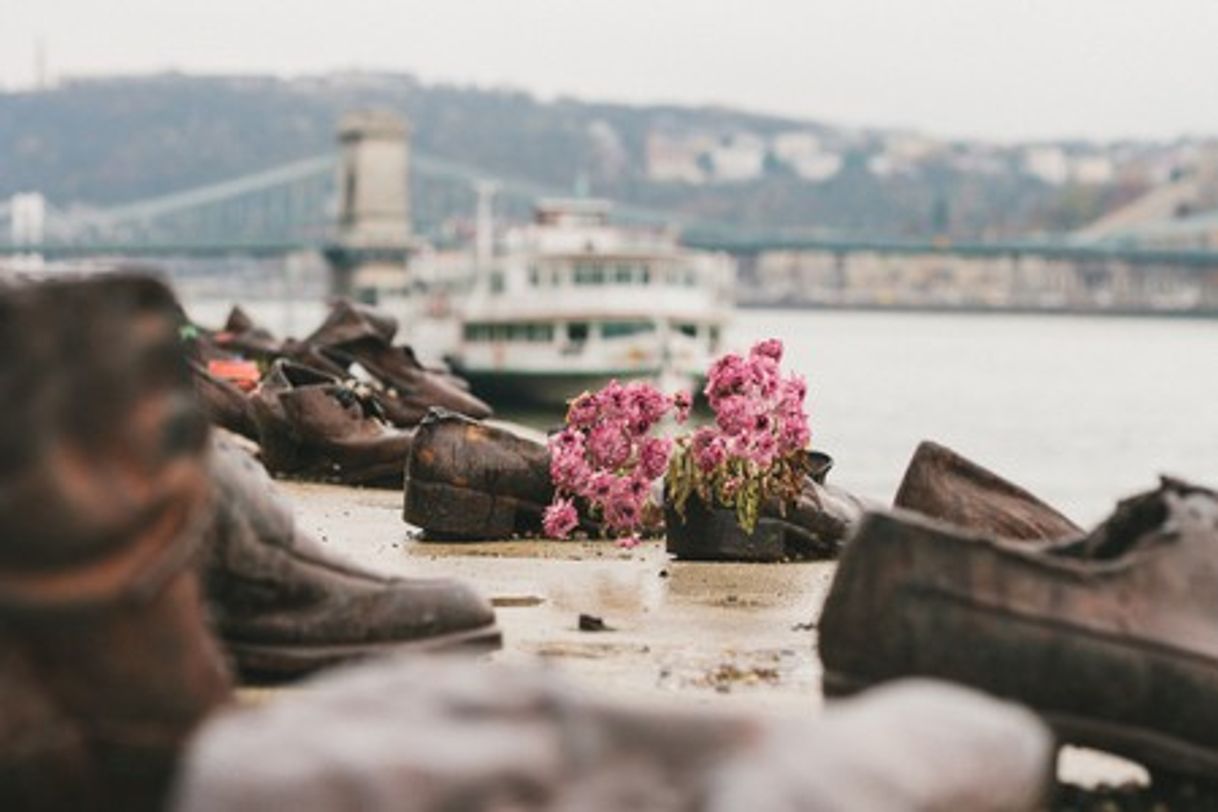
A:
x: 307, y: 365
x: 941, y: 484
x: 242, y: 335
x: 224, y: 404
x: 285, y: 607
x: 424, y: 735
x: 814, y: 527
x: 311, y: 426
x: 1113, y: 638
x: 104, y: 497
x: 354, y: 335
x: 469, y: 480
x: 350, y: 321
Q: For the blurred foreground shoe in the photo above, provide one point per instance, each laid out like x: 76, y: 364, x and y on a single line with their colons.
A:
x: 1113, y: 638
x: 815, y: 527
x: 107, y: 663
x: 426, y: 736
x: 312, y: 426
x: 469, y: 480
x: 286, y: 607
x: 941, y: 484
x: 359, y: 335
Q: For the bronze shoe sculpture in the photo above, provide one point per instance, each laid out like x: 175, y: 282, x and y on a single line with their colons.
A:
x: 814, y: 527
x: 430, y: 735
x: 285, y: 607
x: 358, y: 335
x: 469, y: 480
x: 224, y: 404
x: 1113, y: 638
x: 350, y: 321
x: 242, y: 335
x: 108, y: 662
x: 944, y: 485
x: 312, y: 426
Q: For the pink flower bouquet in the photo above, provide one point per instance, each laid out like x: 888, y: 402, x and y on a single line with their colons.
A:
x: 755, y: 451
x: 606, y: 460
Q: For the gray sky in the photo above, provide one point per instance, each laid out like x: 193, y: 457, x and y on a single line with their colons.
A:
x: 1000, y: 69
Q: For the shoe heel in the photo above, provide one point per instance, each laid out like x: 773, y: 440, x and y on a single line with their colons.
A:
x: 447, y: 510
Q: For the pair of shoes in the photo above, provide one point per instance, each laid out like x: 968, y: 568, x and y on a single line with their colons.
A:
x: 356, y: 336
x: 313, y: 425
x: 422, y: 736
x: 119, y: 525
x: 1112, y: 636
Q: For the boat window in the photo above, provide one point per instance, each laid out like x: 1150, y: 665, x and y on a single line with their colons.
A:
x: 534, y: 275
x: 540, y: 332
x: 524, y: 331
x: 590, y: 273
x: 646, y: 274
x: 497, y: 282
x: 615, y: 329
x: 690, y: 330
x: 714, y: 339
x: 623, y: 274
x: 577, y: 331
x: 691, y: 278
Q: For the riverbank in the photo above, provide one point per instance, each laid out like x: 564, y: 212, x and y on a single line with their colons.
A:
x: 732, y: 636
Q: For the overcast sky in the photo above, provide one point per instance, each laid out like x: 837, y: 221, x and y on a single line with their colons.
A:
x: 1000, y: 69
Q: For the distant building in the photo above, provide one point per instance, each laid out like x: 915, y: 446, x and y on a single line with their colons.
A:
x: 1049, y: 163
x: 803, y: 154
x: 611, y: 156
x: 1092, y: 169
x: 791, y: 147
x: 902, y: 154
x: 739, y: 157
x: 676, y: 159
x: 27, y: 215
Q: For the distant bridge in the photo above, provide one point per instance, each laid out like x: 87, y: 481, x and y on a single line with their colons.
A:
x: 282, y: 209
x: 290, y: 208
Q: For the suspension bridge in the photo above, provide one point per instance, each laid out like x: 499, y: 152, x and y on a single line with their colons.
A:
x: 297, y: 206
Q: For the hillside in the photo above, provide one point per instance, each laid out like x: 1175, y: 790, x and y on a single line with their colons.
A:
x: 112, y: 140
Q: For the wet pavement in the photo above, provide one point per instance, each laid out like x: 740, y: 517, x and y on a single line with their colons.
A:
x: 721, y: 635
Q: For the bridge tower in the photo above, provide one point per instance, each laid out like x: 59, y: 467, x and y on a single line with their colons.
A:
x: 373, y: 237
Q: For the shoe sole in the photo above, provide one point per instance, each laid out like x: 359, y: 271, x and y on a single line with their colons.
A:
x: 263, y: 664
x: 1151, y: 748
x: 454, y: 512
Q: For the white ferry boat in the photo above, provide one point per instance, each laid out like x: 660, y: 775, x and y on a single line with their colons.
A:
x: 571, y: 301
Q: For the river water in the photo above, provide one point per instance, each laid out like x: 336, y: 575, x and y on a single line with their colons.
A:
x: 1080, y: 410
